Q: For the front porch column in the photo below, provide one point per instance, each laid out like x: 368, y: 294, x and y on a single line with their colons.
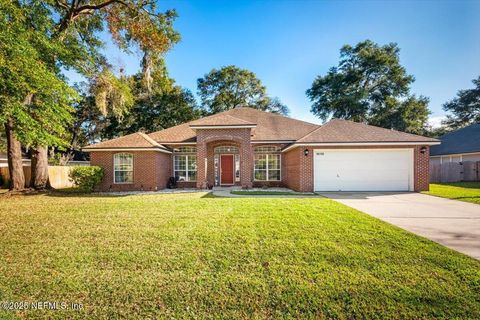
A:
x: 246, y: 164
x: 201, y: 165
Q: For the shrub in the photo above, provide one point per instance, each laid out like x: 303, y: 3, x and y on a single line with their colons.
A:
x: 86, y: 178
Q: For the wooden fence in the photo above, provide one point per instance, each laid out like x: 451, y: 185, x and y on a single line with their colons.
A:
x: 455, y: 171
x: 58, y: 176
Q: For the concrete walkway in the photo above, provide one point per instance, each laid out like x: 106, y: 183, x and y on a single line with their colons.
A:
x: 454, y: 224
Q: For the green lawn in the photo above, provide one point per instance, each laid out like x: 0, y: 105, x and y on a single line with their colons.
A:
x: 189, y: 256
x: 463, y: 191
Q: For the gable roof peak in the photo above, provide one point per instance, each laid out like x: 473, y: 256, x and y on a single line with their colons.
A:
x: 149, y: 140
x: 132, y: 140
x: 220, y: 119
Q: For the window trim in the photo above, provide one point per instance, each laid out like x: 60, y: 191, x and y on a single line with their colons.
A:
x: 179, y: 150
x: 266, y: 170
x: 277, y: 149
x: 186, y: 155
x: 133, y: 168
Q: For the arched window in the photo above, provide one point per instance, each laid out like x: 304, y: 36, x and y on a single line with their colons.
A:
x: 226, y: 149
x: 123, y: 168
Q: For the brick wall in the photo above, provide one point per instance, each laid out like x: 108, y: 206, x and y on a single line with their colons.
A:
x: 299, y: 170
x: 151, y: 170
x: 299, y: 174
x: 421, y: 169
x: 241, y: 137
x: 186, y: 184
x: 291, y: 169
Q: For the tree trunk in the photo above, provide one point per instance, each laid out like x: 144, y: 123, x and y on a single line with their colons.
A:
x: 39, y: 179
x: 15, y: 163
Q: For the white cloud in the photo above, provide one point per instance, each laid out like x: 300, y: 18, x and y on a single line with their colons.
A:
x: 436, y: 122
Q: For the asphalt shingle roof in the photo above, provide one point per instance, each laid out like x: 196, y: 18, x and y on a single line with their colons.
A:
x: 337, y: 130
x: 220, y: 119
x: 465, y: 140
x: 134, y: 140
x: 269, y: 127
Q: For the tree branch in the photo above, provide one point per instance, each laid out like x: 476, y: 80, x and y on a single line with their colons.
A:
x: 99, y: 6
x: 62, y: 4
x: 74, y: 11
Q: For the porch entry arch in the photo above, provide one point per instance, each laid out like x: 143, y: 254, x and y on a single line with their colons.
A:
x: 226, y: 164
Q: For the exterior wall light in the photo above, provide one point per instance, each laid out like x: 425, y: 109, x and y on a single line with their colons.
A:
x: 305, y: 152
x: 423, y: 149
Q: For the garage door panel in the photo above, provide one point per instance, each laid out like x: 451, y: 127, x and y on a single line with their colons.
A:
x: 363, y: 170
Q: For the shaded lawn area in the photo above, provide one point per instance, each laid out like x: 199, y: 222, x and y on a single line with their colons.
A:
x: 189, y: 256
x: 463, y: 191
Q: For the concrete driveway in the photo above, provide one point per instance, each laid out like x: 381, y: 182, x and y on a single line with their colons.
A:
x: 454, y: 224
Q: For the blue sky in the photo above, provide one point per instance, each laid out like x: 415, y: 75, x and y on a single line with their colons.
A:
x: 288, y: 43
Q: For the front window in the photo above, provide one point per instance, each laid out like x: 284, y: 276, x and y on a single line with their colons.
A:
x: 185, y: 167
x: 267, y: 167
x: 123, y: 168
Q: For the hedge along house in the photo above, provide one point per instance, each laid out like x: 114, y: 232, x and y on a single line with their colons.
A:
x: 251, y: 148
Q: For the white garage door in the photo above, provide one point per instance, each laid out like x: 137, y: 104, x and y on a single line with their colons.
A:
x: 363, y: 170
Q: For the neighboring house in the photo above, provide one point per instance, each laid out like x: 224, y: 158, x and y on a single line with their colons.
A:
x: 252, y: 148
x: 458, y: 146
x: 78, y: 160
x: 4, y: 160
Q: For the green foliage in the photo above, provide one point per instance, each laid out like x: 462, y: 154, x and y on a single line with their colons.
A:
x: 164, y: 104
x: 86, y: 177
x: 38, y: 39
x: 89, y: 120
x: 370, y: 85
x: 437, y: 132
x: 161, y: 105
x: 132, y: 24
x: 465, y: 107
x: 153, y: 113
x: 112, y: 94
x: 31, y: 90
x: 231, y: 87
x: 277, y: 106
x: 3, y: 141
x: 408, y: 115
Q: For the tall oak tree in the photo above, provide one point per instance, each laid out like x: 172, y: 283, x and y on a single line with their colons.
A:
x: 70, y: 31
x: 370, y: 85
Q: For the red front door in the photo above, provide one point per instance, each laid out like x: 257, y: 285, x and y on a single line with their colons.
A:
x: 226, y: 169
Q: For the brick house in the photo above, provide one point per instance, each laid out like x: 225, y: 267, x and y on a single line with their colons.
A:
x: 251, y: 148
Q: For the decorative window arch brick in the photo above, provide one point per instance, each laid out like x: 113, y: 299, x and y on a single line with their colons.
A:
x: 207, y: 139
